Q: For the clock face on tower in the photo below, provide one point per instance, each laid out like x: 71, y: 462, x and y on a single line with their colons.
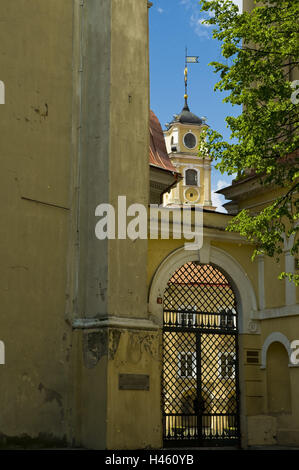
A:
x: 190, y: 140
x: 192, y: 194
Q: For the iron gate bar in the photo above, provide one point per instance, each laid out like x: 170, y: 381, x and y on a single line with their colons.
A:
x: 200, y: 391
x: 198, y: 375
x: 202, y: 330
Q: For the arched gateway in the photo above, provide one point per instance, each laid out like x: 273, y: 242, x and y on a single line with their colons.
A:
x: 200, y: 391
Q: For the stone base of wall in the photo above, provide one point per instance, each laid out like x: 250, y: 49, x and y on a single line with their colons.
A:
x: 262, y: 430
x: 288, y: 437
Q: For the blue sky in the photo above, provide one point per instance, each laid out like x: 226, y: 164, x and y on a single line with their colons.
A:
x: 175, y: 24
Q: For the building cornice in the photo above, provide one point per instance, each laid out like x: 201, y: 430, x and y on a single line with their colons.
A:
x: 113, y: 322
x: 276, y: 312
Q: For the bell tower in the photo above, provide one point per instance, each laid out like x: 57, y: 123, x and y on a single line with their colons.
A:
x: 185, y: 146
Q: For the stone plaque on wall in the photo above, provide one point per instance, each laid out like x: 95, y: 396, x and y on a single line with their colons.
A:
x: 133, y: 382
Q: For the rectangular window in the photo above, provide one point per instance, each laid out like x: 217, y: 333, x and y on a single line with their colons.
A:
x: 186, y: 318
x: 187, y: 364
x: 227, y: 317
x: 227, y: 363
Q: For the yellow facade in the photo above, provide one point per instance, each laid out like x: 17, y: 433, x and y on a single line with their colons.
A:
x: 268, y: 413
x: 78, y: 314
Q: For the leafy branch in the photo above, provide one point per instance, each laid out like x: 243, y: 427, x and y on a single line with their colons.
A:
x: 263, y: 49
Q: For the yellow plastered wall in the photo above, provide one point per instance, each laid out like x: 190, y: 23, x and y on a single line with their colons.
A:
x: 134, y: 416
x: 35, y: 149
x: 262, y: 424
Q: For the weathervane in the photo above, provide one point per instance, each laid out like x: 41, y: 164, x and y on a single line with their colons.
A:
x: 189, y: 59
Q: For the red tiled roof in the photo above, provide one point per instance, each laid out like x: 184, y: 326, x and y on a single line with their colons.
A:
x: 192, y: 274
x: 157, y: 152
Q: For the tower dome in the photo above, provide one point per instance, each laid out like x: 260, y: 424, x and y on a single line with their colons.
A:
x: 186, y: 117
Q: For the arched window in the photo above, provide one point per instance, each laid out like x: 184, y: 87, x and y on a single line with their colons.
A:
x: 191, y: 177
x: 200, y: 356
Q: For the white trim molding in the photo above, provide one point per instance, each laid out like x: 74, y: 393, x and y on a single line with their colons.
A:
x: 245, y: 295
x: 113, y: 322
x: 275, y: 337
x: 261, y: 281
x: 277, y: 312
x: 207, y: 186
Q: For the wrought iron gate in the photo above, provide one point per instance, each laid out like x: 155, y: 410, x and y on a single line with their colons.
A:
x: 200, y: 350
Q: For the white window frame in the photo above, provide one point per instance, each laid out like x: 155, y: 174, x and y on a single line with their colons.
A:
x: 190, y: 167
x: 227, y: 309
x: 193, y: 364
x: 196, y: 140
x: 175, y: 136
x: 196, y: 172
x: 226, y: 354
x: 179, y: 314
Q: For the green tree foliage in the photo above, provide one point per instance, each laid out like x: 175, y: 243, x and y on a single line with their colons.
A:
x: 261, y: 51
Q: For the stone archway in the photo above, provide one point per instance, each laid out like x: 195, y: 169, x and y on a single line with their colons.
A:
x: 244, y: 292
x: 245, y: 295
x: 200, y: 352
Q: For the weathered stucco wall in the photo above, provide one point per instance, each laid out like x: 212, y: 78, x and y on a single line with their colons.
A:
x: 35, y: 150
x: 129, y: 140
x: 112, y: 273
x: 74, y: 134
x: 135, y: 415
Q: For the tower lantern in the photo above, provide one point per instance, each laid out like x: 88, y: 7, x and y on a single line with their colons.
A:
x: 183, y: 136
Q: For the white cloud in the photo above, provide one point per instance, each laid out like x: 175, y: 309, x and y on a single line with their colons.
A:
x: 218, y: 199
x: 197, y: 23
x: 194, y: 4
x: 187, y: 3
x: 160, y: 10
x: 197, y: 17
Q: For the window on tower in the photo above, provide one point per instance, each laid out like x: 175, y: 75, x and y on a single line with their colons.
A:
x: 190, y: 140
x: 191, y: 177
x: 175, y: 137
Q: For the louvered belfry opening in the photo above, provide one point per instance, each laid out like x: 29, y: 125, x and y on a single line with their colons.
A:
x: 200, y: 396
